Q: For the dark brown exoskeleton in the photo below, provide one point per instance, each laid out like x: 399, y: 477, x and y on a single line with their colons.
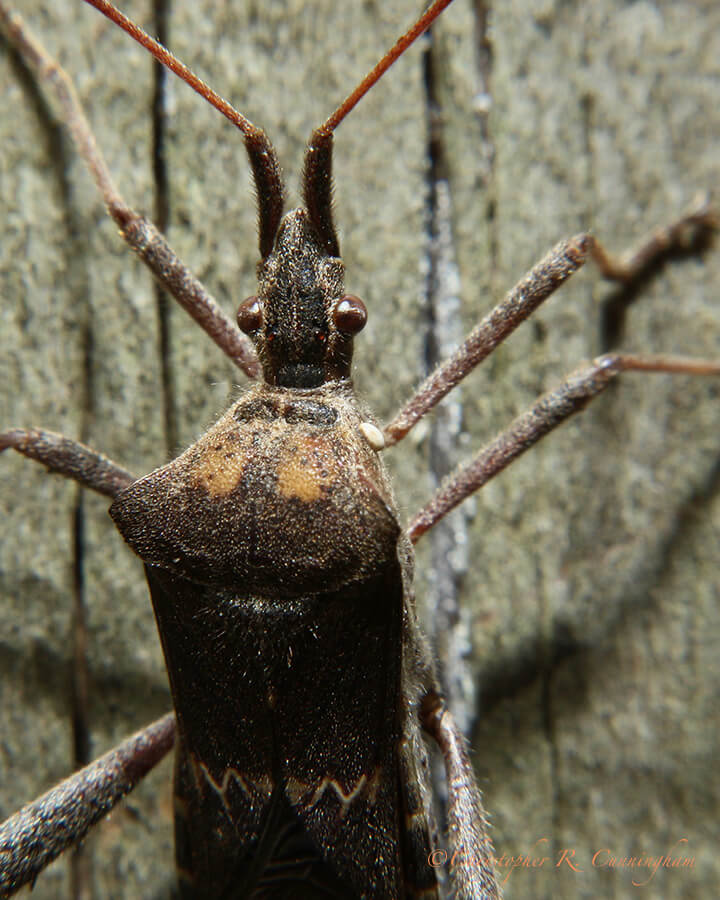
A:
x: 280, y: 575
x: 281, y: 584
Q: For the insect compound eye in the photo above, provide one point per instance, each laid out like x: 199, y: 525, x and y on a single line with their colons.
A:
x: 250, y: 317
x: 350, y: 314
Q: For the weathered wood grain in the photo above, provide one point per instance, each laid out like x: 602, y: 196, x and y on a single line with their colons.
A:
x: 588, y: 571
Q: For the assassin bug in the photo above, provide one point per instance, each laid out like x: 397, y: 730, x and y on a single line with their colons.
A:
x: 508, y: 281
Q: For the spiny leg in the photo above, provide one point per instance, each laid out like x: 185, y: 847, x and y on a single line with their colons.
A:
x: 699, y: 220
x: 140, y: 234
x: 539, y: 284
x: 32, y: 838
x: 551, y: 410
x: 72, y: 459
x: 38, y: 833
x: 471, y: 860
x: 471, y: 852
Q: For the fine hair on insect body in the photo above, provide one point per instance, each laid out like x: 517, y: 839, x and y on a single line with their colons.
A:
x: 130, y: 404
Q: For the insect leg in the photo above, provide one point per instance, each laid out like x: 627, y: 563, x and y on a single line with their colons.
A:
x: 519, y: 303
x: 69, y: 458
x: 548, y: 412
x: 35, y: 835
x: 542, y: 281
x: 470, y: 859
x: 140, y: 234
x: 682, y: 234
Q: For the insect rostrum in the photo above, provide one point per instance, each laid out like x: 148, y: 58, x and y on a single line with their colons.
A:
x: 131, y: 442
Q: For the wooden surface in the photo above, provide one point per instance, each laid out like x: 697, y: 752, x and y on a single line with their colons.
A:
x: 588, y: 573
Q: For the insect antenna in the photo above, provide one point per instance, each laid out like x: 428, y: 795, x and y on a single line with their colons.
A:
x: 317, y: 172
x: 376, y: 73
x: 263, y: 159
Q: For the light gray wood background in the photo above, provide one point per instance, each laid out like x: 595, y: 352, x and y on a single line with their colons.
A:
x: 591, y: 588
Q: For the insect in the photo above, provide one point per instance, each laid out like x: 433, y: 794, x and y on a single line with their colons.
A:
x: 500, y: 522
